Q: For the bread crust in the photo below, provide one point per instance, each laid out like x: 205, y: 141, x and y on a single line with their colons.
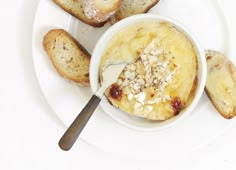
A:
x: 49, y: 46
x: 75, y: 9
x: 94, y: 9
x: 118, y: 15
x: 217, y: 102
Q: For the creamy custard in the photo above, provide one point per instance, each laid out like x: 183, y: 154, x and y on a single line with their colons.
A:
x: 161, y: 77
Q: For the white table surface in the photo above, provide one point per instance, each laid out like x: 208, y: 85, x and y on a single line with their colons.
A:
x: 30, y: 130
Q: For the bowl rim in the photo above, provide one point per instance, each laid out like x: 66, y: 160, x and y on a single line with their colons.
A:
x: 110, y: 32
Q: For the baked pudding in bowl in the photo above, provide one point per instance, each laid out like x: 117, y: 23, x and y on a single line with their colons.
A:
x: 164, y: 77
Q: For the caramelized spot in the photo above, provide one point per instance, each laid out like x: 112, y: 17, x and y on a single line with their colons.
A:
x: 115, y: 92
x: 176, y: 104
x: 209, y: 57
x: 139, y: 59
x: 86, y: 75
x: 138, y: 53
x: 217, y: 66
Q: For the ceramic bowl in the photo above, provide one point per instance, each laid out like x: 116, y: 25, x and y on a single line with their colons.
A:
x: 124, y: 118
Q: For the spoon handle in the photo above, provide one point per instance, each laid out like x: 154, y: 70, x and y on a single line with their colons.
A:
x: 72, y: 133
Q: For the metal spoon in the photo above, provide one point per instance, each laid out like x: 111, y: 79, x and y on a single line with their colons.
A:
x: 110, y: 75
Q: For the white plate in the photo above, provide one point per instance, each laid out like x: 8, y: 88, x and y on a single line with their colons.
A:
x: 203, y: 17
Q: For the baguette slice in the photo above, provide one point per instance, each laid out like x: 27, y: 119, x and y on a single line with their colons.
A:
x: 100, y: 10
x: 132, y: 7
x: 221, y: 83
x: 75, y: 8
x: 68, y: 57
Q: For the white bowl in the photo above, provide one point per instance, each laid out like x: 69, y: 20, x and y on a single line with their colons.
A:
x: 122, y: 117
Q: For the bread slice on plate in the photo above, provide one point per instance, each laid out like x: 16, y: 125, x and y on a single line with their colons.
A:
x: 100, y: 10
x: 132, y: 7
x: 221, y: 83
x: 75, y: 8
x: 67, y: 55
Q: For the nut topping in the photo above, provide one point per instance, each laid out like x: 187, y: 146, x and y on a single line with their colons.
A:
x: 152, y: 69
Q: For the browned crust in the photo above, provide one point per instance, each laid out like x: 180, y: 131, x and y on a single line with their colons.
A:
x: 118, y: 17
x: 209, y: 54
x: 84, y: 19
x: 150, y: 6
x: 49, y: 38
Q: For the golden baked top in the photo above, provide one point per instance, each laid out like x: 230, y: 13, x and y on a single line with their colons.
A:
x: 161, y: 76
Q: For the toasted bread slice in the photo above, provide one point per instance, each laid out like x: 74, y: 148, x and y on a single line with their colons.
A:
x: 100, y: 10
x: 75, y: 8
x: 131, y: 7
x: 221, y: 83
x: 68, y: 57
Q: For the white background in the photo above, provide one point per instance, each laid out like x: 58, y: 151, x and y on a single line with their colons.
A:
x: 30, y: 130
